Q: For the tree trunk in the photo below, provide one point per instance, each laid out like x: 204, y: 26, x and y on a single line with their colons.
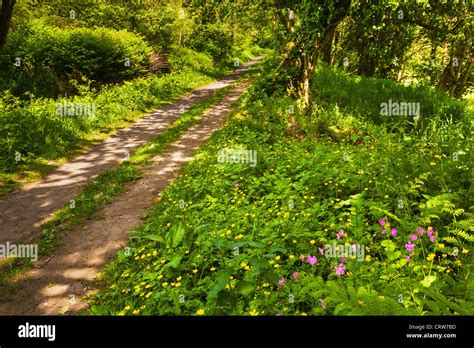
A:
x: 326, y: 45
x: 461, y: 85
x: 308, y: 63
x: 366, y: 65
x: 6, y: 13
x: 448, y: 77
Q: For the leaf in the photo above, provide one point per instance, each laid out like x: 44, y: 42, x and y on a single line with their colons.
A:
x: 222, y: 278
x: 155, y: 237
x: 245, y: 287
x: 428, y: 281
x: 175, y: 261
x: 177, y: 234
x: 388, y: 245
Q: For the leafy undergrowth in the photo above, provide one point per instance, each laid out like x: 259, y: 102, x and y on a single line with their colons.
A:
x: 333, y: 219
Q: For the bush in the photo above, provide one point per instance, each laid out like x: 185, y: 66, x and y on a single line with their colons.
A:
x: 212, y: 39
x: 185, y: 58
x: 58, y: 55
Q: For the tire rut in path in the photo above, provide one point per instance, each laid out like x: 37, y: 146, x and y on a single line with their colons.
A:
x: 22, y: 212
x: 58, y: 285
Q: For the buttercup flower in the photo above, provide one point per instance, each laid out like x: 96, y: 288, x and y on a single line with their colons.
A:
x: 312, y: 260
x: 431, y: 257
x: 200, y: 312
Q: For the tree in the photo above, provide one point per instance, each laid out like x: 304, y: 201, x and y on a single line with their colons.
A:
x: 310, y: 34
x: 6, y: 13
x: 450, y: 25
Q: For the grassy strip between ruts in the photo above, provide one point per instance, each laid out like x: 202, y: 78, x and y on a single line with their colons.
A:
x: 111, y: 183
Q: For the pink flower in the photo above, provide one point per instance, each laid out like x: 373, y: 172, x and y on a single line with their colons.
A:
x: 430, y: 233
x: 407, y: 257
x: 278, y: 314
x: 340, y: 234
x: 393, y: 232
x: 409, y: 246
x: 383, y: 231
x: 281, y: 281
x: 321, y: 250
x: 302, y: 257
x: 295, y: 275
x: 382, y: 222
x: 321, y: 302
x: 343, y: 260
x: 414, y: 236
x: 432, y: 239
x: 312, y: 260
x: 236, y: 185
x: 354, y: 248
x: 420, y: 230
x: 340, y: 269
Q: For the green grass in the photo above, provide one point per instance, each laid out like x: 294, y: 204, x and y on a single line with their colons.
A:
x: 244, y: 228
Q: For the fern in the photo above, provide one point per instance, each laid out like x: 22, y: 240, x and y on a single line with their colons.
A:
x: 363, y: 302
x: 461, y: 232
